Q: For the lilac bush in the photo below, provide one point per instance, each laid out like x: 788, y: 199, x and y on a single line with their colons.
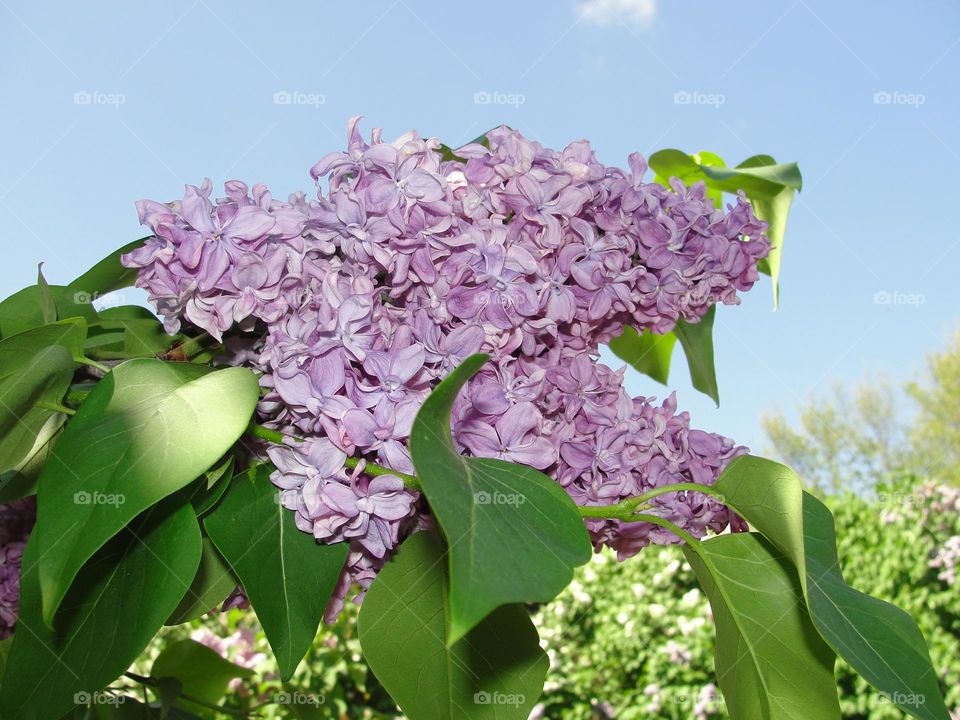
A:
x: 354, y: 304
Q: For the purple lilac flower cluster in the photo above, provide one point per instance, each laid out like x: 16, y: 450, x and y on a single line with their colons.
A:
x: 355, y: 304
x: 16, y: 521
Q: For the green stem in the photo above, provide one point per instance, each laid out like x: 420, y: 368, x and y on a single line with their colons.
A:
x: 624, y: 509
x: 279, y: 438
x: 151, y: 682
x: 57, y: 407
x: 195, y: 345
x: 672, y: 527
x: 93, y: 364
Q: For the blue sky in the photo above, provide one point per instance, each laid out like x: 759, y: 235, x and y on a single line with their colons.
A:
x: 109, y: 102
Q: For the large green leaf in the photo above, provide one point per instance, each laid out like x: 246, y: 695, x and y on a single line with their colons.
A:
x: 880, y: 641
x: 514, y: 534
x: 108, y: 274
x: 771, y: 664
x: 204, y: 675
x: 285, y: 573
x: 211, y: 585
x: 27, y: 399
x: 697, y: 342
x: 24, y: 310
x: 646, y: 352
x: 495, y: 672
x: 145, y: 431
x: 118, y: 602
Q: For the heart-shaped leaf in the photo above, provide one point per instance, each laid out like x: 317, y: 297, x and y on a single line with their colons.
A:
x: 212, y: 584
x: 118, y: 602
x: 203, y: 674
x: 514, y: 534
x: 495, y: 672
x: 697, y: 342
x: 16, y: 350
x: 21, y: 481
x: 145, y: 431
x: 771, y: 663
x: 28, y: 399
x: 646, y: 352
x: 108, y: 274
x: 880, y: 641
x: 285, y: 573
x: 24, y: 310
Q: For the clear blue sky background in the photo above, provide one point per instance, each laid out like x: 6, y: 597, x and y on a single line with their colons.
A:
x: 185, y: 89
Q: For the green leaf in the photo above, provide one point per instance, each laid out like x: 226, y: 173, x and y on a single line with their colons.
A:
x: 123, y: 338
x: 648, y: 353
x: 285, y: 573
x: 119, y: 601
x: 145, y: 431
x: 771, y: 664
x: 206, y: 491
x: 24, y: 310
x: 495, y: 672
x: 880, y: 641
x: 108, y: 274
x: 4, y: 653
x: 16, y: 350
x: 696, y: 339
x: 48, y: 309
x: 212, y: 584
x: 21, y: 481
x: 203, y: 673
x: 514, y: 534
x: 42, y: 380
